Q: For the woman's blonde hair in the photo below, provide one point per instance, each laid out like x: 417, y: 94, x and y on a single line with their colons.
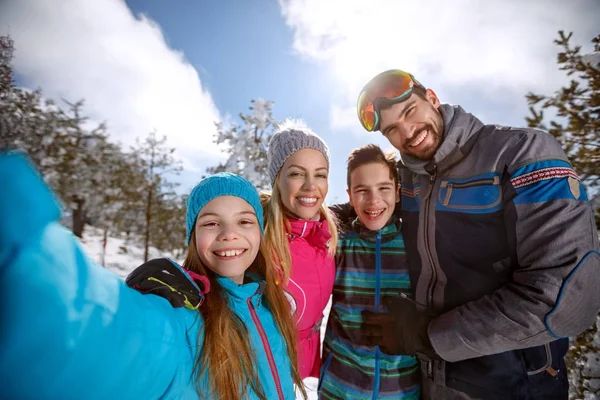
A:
x: 226, y: 355
x: 277, y: 227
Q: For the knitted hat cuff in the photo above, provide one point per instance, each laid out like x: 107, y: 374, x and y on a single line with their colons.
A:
x: 287, y: 142
x: 222, y: 184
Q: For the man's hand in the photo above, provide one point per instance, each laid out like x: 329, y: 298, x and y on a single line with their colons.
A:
x: 400, y: 330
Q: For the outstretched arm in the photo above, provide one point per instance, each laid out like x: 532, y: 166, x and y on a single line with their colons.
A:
x: 72, y: 329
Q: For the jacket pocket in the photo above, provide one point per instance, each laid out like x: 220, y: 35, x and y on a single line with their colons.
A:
x: 476, y: 194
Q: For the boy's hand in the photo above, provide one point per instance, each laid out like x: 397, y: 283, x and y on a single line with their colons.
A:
x: 401, y: 330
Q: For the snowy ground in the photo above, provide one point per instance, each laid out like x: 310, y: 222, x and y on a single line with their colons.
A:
x: 123, y: 263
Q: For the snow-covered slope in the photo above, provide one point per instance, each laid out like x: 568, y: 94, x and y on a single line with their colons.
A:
x: 120, y: 256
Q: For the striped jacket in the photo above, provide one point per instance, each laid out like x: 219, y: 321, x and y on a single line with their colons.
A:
x: 370, y: 266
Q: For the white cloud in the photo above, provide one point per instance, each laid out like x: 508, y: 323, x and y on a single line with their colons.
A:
x: 344, y: 118
x: 495, y: 49
x: 120, y: 64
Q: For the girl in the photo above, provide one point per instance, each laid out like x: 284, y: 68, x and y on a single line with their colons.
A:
x: 74, y: 330
x: 300, y: 231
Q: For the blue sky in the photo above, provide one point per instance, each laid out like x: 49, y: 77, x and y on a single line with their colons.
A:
x: 178, y: 66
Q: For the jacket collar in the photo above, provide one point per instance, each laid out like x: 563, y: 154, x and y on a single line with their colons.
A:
x: 315, y: 233
x: 460, y: 132
x: 253, y: 288
x: 388, y: 232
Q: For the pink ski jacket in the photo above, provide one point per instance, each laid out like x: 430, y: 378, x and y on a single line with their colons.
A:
x: 310, y: 284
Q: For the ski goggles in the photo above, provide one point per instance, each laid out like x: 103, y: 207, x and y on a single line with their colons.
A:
x: 386, y: 88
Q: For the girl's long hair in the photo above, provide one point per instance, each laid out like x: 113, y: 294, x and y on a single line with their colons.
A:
x: 277, y: 226
x: 226, y: 356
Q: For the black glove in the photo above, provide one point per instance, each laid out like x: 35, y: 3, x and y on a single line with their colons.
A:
x: 167, y: 279
x: 400, y: 330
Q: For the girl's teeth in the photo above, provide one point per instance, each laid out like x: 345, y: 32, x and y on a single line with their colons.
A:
x: 308, y: 200
x: 229, y: 253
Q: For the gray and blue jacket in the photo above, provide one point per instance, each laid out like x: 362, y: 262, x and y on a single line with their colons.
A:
x: 501, y: 242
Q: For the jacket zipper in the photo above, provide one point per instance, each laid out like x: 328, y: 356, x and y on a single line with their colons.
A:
x: 479, y: 182
x: 267, y: 347
x: 431, y: 286
x: 462, y: 185
x: 377, y: 308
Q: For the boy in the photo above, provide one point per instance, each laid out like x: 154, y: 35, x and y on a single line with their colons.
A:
x: 371, y: 268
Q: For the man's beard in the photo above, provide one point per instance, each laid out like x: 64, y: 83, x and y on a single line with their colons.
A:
x: 434, y: 132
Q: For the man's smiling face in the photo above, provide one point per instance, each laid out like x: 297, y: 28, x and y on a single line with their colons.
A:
x: 414, y: 126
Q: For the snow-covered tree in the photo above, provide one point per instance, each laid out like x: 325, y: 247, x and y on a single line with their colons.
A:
x: 157, y: 163
x: 78, y: 174
x: 97, y: 182
x: 246, y: 144
x: 577, y: 128
x: 577, y: 109
x: 7, y: 50
x: 169, y: 220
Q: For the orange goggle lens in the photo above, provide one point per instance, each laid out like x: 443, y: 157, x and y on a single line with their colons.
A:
x: 390, y: 85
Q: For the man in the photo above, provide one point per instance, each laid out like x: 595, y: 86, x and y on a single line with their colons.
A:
x: 502, y: 248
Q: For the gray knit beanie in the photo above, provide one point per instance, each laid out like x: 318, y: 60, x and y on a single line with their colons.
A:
x: 289, y: 137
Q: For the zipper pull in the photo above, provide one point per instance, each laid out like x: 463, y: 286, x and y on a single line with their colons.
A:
x: 416, y: 303
x: 432, y: 177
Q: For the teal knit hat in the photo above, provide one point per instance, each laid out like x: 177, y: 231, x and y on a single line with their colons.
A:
x: 221, y: 184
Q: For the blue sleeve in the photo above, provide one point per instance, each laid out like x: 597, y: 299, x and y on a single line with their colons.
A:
x: 72, y: 329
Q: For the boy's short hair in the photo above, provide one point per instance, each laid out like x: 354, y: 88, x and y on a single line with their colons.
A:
x: 369, y: 154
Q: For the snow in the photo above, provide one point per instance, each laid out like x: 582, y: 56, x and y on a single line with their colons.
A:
x: 593, y: 59
x: 592, y: 365
x: 262, y: 113
x: 121, y: 263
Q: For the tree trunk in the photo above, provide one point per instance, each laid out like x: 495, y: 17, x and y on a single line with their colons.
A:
x: 148, y: 221
x: 104, y: 243
x: 79, y: 217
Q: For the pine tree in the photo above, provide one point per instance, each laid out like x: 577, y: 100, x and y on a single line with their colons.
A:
x: 246, y: 144
x: 157, y: 163
x: 7, y: 50
x: 577, y: 109
x: 169, y: 216
x: 577, y: 127
x: 79, y: 175
x: 17, y: 106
